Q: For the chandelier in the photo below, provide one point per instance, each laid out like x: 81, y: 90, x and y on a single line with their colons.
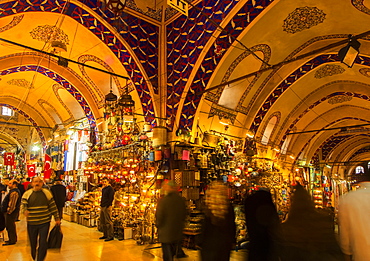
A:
x: 119, y: 116
x: 116, y: 6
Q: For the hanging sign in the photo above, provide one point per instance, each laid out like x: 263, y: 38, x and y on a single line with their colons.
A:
x: 8, y: 158
x: 31, y: 170
x: 180, y: 5
x: 47, y: 167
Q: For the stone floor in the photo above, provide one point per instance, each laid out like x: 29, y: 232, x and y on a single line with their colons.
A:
x: 81, y: 243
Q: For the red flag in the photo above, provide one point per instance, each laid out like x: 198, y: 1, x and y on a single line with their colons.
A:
x: 47, y: 167
x: 8, y: 158
x: 31, y: 170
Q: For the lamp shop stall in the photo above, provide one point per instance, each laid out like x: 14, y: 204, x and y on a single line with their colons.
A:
x: 138, y: 159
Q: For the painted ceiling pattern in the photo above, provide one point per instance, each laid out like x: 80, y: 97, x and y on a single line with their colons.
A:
x: 148, y: 60
x: 49, y: 33
x: 360, y: 151
x: 328, y: 149
x: 306, y: 68
x: 318, y: 102
x: 63, y: 82
x: 197, y: 48
x: 239, y: 22
x: 27, y: 117
x: 329, y: 70
x: 303, y: 18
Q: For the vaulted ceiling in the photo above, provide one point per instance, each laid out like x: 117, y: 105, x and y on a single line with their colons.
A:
x: 259, y: 64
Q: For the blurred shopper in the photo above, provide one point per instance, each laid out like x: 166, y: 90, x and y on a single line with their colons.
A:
x: 170, y: 219
x: 354, y: 223
x: 263, y: 226
x: 2, y: 222
x: 106, y: 210
x: 218, y: 229
x: 2, y: 217
x: 308, y: 232
x: 20, y: 186
x: 38, y: 206
x: 4, y: 189
x: 59, y: 192
x: 10, y: 208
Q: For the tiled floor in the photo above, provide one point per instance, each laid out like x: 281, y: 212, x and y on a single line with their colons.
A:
x: 81, y: 243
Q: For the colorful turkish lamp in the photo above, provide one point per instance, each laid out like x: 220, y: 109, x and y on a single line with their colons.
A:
x: 126, y: 139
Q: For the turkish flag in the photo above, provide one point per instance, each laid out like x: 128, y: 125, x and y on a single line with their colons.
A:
x: 8, y: 158
x: 31, y: 170
x: 47, y: 167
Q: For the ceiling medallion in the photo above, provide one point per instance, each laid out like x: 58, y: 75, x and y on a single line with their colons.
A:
x: 329, y: 70
x: 303, y: 18
x: 50, y: 34
x: 339, y: 99
x: 21, y: 83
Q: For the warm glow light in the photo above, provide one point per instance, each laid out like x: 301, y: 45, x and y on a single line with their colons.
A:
x: 224, y: 123
x: 35, y: 148
x: 292, y: 157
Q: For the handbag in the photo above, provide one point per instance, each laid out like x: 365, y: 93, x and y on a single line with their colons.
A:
x: 55, y: 237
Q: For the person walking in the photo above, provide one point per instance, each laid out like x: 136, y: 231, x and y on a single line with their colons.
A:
x: 170, y: 220
x: 10, y: 208
x: 218, y: 228
x: 354, y: 225
x: 38, y: 206
x: 308, y: 231
x: 106, y: 210
x: 59, y: 192
x: 263, y: 226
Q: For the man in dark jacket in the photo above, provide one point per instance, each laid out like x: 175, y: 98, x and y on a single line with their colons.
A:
x: 10, y: 208
x: 170, y: 219
x: 106, y: 210
x: 60, y: 195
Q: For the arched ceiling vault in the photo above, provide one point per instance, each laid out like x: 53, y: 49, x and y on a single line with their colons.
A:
x: 173, y: 62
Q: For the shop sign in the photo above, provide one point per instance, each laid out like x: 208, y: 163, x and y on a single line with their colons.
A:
x: 180, y: 5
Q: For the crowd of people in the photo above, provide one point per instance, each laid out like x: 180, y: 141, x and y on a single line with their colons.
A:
x: 307, y: 234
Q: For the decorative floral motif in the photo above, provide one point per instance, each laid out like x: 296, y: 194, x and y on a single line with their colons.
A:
x: 303, y: 18
x: 49, y: 33
x: 359, y: 4
x: 329, y: 70
x: 21, y: 83
x: 153, y: 13
x: 222, y: 112
x: 15, y: 21
x: 365, y: 72
x: 339, y: 99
